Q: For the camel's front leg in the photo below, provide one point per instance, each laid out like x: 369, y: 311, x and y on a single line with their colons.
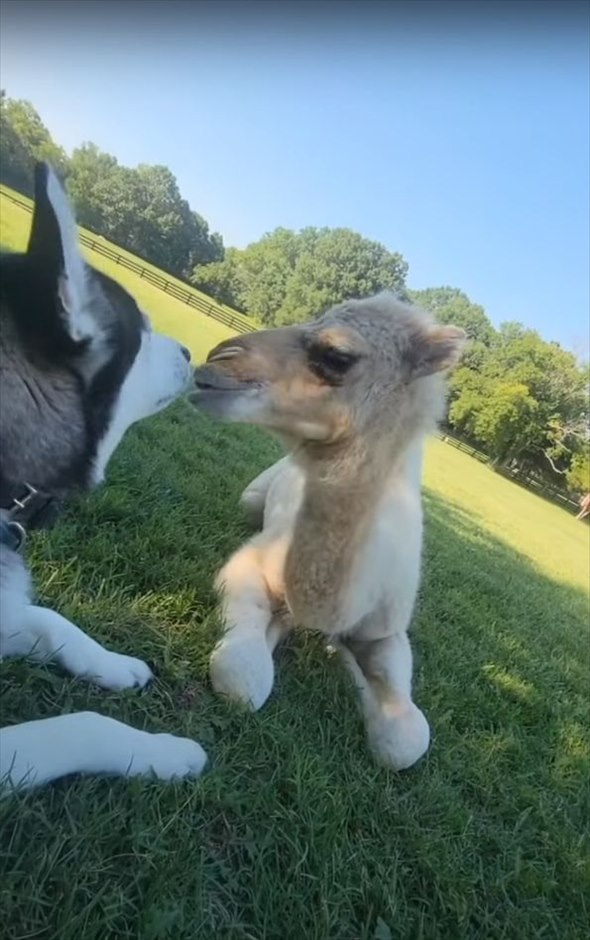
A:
x: 397, y: 730
x: 241, y: 665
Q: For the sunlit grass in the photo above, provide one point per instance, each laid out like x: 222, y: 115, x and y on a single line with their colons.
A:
x: 294, y: 832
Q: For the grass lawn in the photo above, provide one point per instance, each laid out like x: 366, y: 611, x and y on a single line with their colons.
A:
x: 294, y: 834
x: 196, y: 330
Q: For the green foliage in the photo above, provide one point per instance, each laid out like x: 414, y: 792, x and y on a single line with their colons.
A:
x: 23, y: 140
x: 221, y: 280
x: 451, y: 305
x: 522, y: 398
x: 290, y: 277
x: 504, y: 421
x: 578, y: 474
x: 140, y: 209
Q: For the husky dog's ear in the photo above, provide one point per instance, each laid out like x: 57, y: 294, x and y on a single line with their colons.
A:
x: 53, y: 245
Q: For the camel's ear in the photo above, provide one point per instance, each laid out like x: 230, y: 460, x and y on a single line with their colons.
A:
x: 436, y: 349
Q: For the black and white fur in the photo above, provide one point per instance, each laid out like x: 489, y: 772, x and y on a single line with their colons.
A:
x: 79, y: 364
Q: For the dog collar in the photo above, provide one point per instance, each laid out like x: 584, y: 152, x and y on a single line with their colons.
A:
x: 12, y: 535
x: 31, y: 508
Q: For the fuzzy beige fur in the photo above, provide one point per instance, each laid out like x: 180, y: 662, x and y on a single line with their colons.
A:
x: 353, y: 395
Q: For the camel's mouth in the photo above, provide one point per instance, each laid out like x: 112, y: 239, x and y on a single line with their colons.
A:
x: 215, y: 391
x: 210, y: 380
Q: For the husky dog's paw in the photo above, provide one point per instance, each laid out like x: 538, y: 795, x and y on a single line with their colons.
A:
x: 115, y: 672
x: 167, y: 757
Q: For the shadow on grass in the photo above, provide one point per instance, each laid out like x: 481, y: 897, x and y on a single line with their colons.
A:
x: 500, y: 626
x: 294, y: 833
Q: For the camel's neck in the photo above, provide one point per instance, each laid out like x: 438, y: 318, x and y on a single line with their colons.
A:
x: 343, y: 491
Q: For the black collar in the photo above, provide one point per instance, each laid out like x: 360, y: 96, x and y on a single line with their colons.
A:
x: 29, y: 509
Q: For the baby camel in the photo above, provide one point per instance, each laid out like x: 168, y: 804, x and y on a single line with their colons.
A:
x: 352, y: 395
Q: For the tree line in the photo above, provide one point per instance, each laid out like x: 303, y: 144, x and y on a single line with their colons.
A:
x: 139, y: 208
x: 521, y: 399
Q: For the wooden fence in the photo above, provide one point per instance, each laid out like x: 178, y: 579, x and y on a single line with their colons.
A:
x: 516, y: 475
x: 231, y: 319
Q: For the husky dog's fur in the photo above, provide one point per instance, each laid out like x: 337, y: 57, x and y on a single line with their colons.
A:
x: 79, y: 364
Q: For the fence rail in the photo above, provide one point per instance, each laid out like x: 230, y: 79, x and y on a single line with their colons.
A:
x: 232, y: 320
x: 516, y: 475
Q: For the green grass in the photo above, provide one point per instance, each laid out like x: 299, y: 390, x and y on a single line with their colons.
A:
x: 294, y: 834
x: 196, y: 330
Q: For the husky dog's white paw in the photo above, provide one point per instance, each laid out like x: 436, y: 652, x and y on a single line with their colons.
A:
x: 167, y: 757
x: 242, y: 669
x: 115, y: 672
x: 37, y: 752
x: 46, y: 636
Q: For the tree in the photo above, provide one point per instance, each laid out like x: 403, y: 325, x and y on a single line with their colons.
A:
x: 340, y: 265
x: 289, y: 277
x: 523, y: 398
x: 14, y: 159
x: 23, y: 140
x: 578, y: 474
x: 91, y: 172
x: 222, y: 280
x: 451, y: 305
x: 141, y: 209
x: 504, y: 420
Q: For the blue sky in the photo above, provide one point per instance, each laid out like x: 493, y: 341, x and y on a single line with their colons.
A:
x: 456, y: 134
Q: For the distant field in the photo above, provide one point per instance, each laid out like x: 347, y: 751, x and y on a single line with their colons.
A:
x: 196, y: 330
x: 559, y: 545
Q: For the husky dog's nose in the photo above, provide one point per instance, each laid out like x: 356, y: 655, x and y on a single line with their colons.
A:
x: 186, y: 353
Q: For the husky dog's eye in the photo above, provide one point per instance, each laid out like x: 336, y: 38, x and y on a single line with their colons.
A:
x: 330, y: 363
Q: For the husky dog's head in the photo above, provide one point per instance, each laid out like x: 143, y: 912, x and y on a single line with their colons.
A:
x: 79, y: 362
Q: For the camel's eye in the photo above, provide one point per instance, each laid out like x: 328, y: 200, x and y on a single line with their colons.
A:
x: 330, y: 363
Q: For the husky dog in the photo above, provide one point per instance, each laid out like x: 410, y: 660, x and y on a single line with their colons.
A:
x: 79, y: 364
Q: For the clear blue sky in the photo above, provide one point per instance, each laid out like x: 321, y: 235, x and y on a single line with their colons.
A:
x: 457, y: 134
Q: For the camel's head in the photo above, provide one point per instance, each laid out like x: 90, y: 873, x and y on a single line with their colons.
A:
x: 365, y: 365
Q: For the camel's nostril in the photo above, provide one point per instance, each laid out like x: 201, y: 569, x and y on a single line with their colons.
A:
x: 186, y: 353
x: 224, y: 352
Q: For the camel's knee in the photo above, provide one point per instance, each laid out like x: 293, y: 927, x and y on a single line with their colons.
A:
x: 241, y: 572
x: 241, y: 668
x: 252, y: 503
